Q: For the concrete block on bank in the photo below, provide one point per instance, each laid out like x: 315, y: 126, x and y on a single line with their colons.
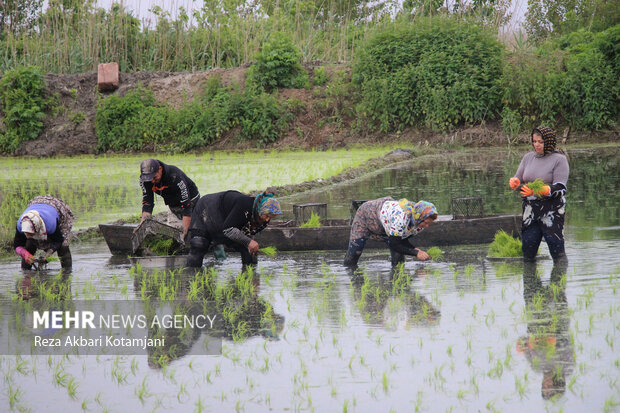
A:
x: 108, y: 76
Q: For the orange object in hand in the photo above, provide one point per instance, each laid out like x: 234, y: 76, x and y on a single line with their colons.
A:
x: 514, y: 182
x: 526, y: 191
x: 546, y: 190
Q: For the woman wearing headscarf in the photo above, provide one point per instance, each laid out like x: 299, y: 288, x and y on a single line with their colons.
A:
x: 230, y: 218
x: 393, y: 222
x: 46, y: 225
x: 543, y: 213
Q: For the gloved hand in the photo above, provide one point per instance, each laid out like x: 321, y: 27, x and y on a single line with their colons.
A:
x: 514, y: 183
x: 546, y: 190
x: 526, y: 191
x: 23, y: 252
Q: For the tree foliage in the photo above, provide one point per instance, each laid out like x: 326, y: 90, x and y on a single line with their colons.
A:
x: 18, y: 16
x: 560, y: 17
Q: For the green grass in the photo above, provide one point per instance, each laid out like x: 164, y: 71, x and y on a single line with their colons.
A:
x: 504, y: 245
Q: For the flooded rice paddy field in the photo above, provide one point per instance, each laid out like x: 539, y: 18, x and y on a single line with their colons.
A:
x: 462, y: 334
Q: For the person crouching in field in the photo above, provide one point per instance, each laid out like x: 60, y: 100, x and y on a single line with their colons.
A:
x: 230, y: 218
x: 46, y: 225
x: 393, y: 222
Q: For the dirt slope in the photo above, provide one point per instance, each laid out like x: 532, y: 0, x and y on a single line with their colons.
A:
x: 70, y: 130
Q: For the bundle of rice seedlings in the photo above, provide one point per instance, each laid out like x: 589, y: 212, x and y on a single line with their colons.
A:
x: 269, y: 251
x: 436, y: 253
x: 536, y: 186
x: 313, y: 222
x: 504, y: 245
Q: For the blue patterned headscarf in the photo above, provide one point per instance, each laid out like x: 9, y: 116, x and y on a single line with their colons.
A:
x: 421, y: 211
x: 266, y: 204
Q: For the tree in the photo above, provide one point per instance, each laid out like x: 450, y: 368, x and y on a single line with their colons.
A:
x: 17, y: 16
x: 560, y: 17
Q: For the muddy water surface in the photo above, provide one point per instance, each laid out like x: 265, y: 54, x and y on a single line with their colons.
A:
x: 464, y: 334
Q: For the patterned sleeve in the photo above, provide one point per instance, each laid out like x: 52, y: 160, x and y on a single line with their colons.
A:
x: 394, y: 220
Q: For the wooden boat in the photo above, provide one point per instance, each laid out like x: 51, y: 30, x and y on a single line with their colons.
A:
x: 333, y: 234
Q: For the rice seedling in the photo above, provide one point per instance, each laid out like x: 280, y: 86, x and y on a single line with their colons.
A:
x: 269, y: 251
x: 610, y: 404
x: 504, y: 245
x: 72, y: 386
x: 436, y: 253
x: 14, y: 395
x: 536, y: 186
x: 313, y: 222
x: 385, y: 382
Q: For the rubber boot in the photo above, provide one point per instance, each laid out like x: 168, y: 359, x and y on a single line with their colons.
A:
x: 64, y: 255
x: 198, y: 247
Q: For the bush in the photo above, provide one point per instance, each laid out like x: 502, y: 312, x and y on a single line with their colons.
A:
x: 439, y: 72
x: 262, y: 118
x: 277, y: 65
x: 23, y: 103
x: 570, y: 80
x: 118, y: 117
x: 134, y: 122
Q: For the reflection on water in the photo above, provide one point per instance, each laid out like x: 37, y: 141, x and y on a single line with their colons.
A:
x: 304, y: 333
x: 547, y: 345
x: 484, y: 173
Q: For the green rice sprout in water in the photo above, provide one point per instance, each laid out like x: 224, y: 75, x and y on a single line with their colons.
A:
x: 436, y: 253
x: 536, y: 186
x: 269, y: 251
x: 313, y: 222
x: 504, y: 245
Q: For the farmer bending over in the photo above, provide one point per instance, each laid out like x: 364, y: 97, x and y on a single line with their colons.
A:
x: 45, y: 225
x: 230, y: 218
x: 179, y: 192
x: 393, y: 222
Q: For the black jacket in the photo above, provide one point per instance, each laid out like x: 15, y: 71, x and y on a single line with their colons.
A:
x: 216, y: 212
x: 55, y: 239
x: 175, y: 187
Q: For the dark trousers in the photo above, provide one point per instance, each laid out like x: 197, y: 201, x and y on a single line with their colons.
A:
x: 356, y: 246
x: 64, y: 255
x: 532, y: 235
x: 199, y: 246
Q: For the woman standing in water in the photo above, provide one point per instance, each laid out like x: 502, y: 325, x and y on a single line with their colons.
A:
x: 543, y: 213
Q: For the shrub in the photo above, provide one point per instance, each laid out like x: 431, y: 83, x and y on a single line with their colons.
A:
x: 320, y: 77
x: 23, y: 103
x: 277, y: 65
x: 134, y: 122
x: 571, y: 80
x: 262, y: 117
x: 117, y: 121
x: 439, y: 72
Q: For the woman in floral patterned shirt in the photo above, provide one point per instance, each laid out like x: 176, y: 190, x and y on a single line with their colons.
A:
x: 393, y: 222
x: 543, y: 213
